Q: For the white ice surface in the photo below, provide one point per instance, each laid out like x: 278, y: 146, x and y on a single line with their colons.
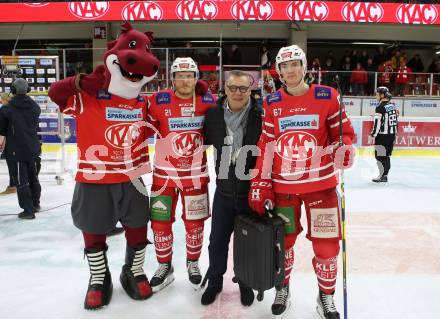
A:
x: 43, y: 274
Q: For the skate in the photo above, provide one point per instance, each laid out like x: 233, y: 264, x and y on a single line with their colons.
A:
x: 194, y: 275
x: 133, y: 279
x: 282, y: 302
x: 100, y: 287
x: 326, y: 306
x: 380, y: 179
x: 24, y: 215
x: 162, y: 277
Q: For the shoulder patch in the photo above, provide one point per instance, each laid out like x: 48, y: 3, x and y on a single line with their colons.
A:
x: 163, y: 98
x: 140, y: 99
x: 103, y: 95
x: 208, y: 98
x: 273, y: 97
x: 389, y: 107
x: 323, y: 93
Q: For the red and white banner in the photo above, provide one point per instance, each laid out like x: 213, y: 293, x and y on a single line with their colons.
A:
x: 411, y: 134
x: 205, y: 10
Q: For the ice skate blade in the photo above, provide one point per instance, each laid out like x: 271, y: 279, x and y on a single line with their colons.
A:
x: 165, y: 283
x: 284, y: 314
x: 196, y: 287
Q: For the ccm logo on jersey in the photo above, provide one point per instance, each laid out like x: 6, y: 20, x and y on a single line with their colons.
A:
x: 323, y: 93
x: 186, y: 144
x: 122, y: 135
x: 122, y: 115
x: 296, y: 146
x: 309, y: 122
x: 163, y: 98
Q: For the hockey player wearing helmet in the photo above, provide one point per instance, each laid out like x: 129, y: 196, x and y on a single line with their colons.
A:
x: 384, y: 132
x: 180, y: 168
x: 298, y: 165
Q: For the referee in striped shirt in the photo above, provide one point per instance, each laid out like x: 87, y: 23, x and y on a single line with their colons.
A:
x: 384, y: 132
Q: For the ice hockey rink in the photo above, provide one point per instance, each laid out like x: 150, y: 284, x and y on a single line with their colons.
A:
x: 393, y: 256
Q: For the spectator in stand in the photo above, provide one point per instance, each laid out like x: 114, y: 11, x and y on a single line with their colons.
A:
x: 416, y: 64
x: 314, y: 76
x: 213, y: 85
x: 345, y: 75
x: 371, y: 69
x: 359, y: 79
x: 328, y: 72
x: 225, y: 56
x: 434, y: 67
x: 266, y: 58
x: 330, y: 56
x: 236, y: 58
x: 395, y: 60
x: 354, y: 59
x: 364, y: 58
x: 380, y: 57
x: 402, y: 78
x: 385, y: 72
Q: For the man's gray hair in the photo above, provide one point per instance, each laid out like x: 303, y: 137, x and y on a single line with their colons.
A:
x: 239, y: 73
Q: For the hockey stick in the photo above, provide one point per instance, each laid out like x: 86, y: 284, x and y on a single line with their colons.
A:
x: 344, y: 244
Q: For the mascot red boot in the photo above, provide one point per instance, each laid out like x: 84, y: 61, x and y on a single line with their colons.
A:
x: 111, y: 134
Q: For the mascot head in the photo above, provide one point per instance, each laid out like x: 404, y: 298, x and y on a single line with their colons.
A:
x: 130, y: 62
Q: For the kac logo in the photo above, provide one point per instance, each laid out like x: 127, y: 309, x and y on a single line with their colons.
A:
x: 196, y: 10
x: 362, y: 12
x: 142, y: 10
x: 296, y: 146
x: 252, y: 10
x: 123, y: 135
x: 89, y: 10
x: 186, y: 144
x: 417, y: 13
x: 36, y: 4
x: 307, y: 11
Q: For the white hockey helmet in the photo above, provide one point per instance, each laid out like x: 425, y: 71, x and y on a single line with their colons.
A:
x: 290, y: 53
x: 184, y: 65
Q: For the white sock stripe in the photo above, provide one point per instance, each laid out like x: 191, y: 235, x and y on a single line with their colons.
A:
x: 94, y: 255
x: 194, y: 252
x: 96, y: 276
x: 326, y: 287
x: 138, y: 273
x: 164, y: 249
x: 166, y: 255
x: 99, y: 267
x: 324, y: 279
x: 138, y: 264
x: 97, y: 282
x: 191, y: 246
x: 288, y: 268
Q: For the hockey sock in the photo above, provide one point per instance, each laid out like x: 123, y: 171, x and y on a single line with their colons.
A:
x: 194, y: 239
x: 163, y: 241
x: 325, y: 264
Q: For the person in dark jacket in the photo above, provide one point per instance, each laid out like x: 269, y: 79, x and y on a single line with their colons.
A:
x: 10, y: 189
x: 233, y: 127
x: 19, y: 124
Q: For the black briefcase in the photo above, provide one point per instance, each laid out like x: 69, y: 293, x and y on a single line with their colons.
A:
x: 259, y: 251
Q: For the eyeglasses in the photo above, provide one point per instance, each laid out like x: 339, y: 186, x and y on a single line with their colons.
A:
x: 234, y: 88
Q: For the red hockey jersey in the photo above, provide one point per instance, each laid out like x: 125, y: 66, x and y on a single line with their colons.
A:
x: 296, y: 133
x: 180, y: 159
x: 111, y: 137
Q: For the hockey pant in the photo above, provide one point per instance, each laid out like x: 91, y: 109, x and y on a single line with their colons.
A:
x: 324, y: 230
x: 163, y: 204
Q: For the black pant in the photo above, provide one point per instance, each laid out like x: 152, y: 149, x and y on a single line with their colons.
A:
x: 28, y: 186
x: 11, y: 179
x: 383, y: 149
x: 224, y: 210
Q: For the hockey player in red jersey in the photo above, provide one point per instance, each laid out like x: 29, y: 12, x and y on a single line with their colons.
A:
x: 112, y: 155
x: 298, y: 166
x: 178, y: 115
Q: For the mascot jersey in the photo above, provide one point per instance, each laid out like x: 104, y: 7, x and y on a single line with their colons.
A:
x: 180, y: 159
x: 111, y: 137
x: 296, y: 132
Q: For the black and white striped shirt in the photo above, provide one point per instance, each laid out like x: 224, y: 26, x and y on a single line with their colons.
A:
x: 385, y: 119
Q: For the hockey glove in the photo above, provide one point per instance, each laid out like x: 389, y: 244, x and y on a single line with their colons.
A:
x: 261, y: 192
x: 344, y: 155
